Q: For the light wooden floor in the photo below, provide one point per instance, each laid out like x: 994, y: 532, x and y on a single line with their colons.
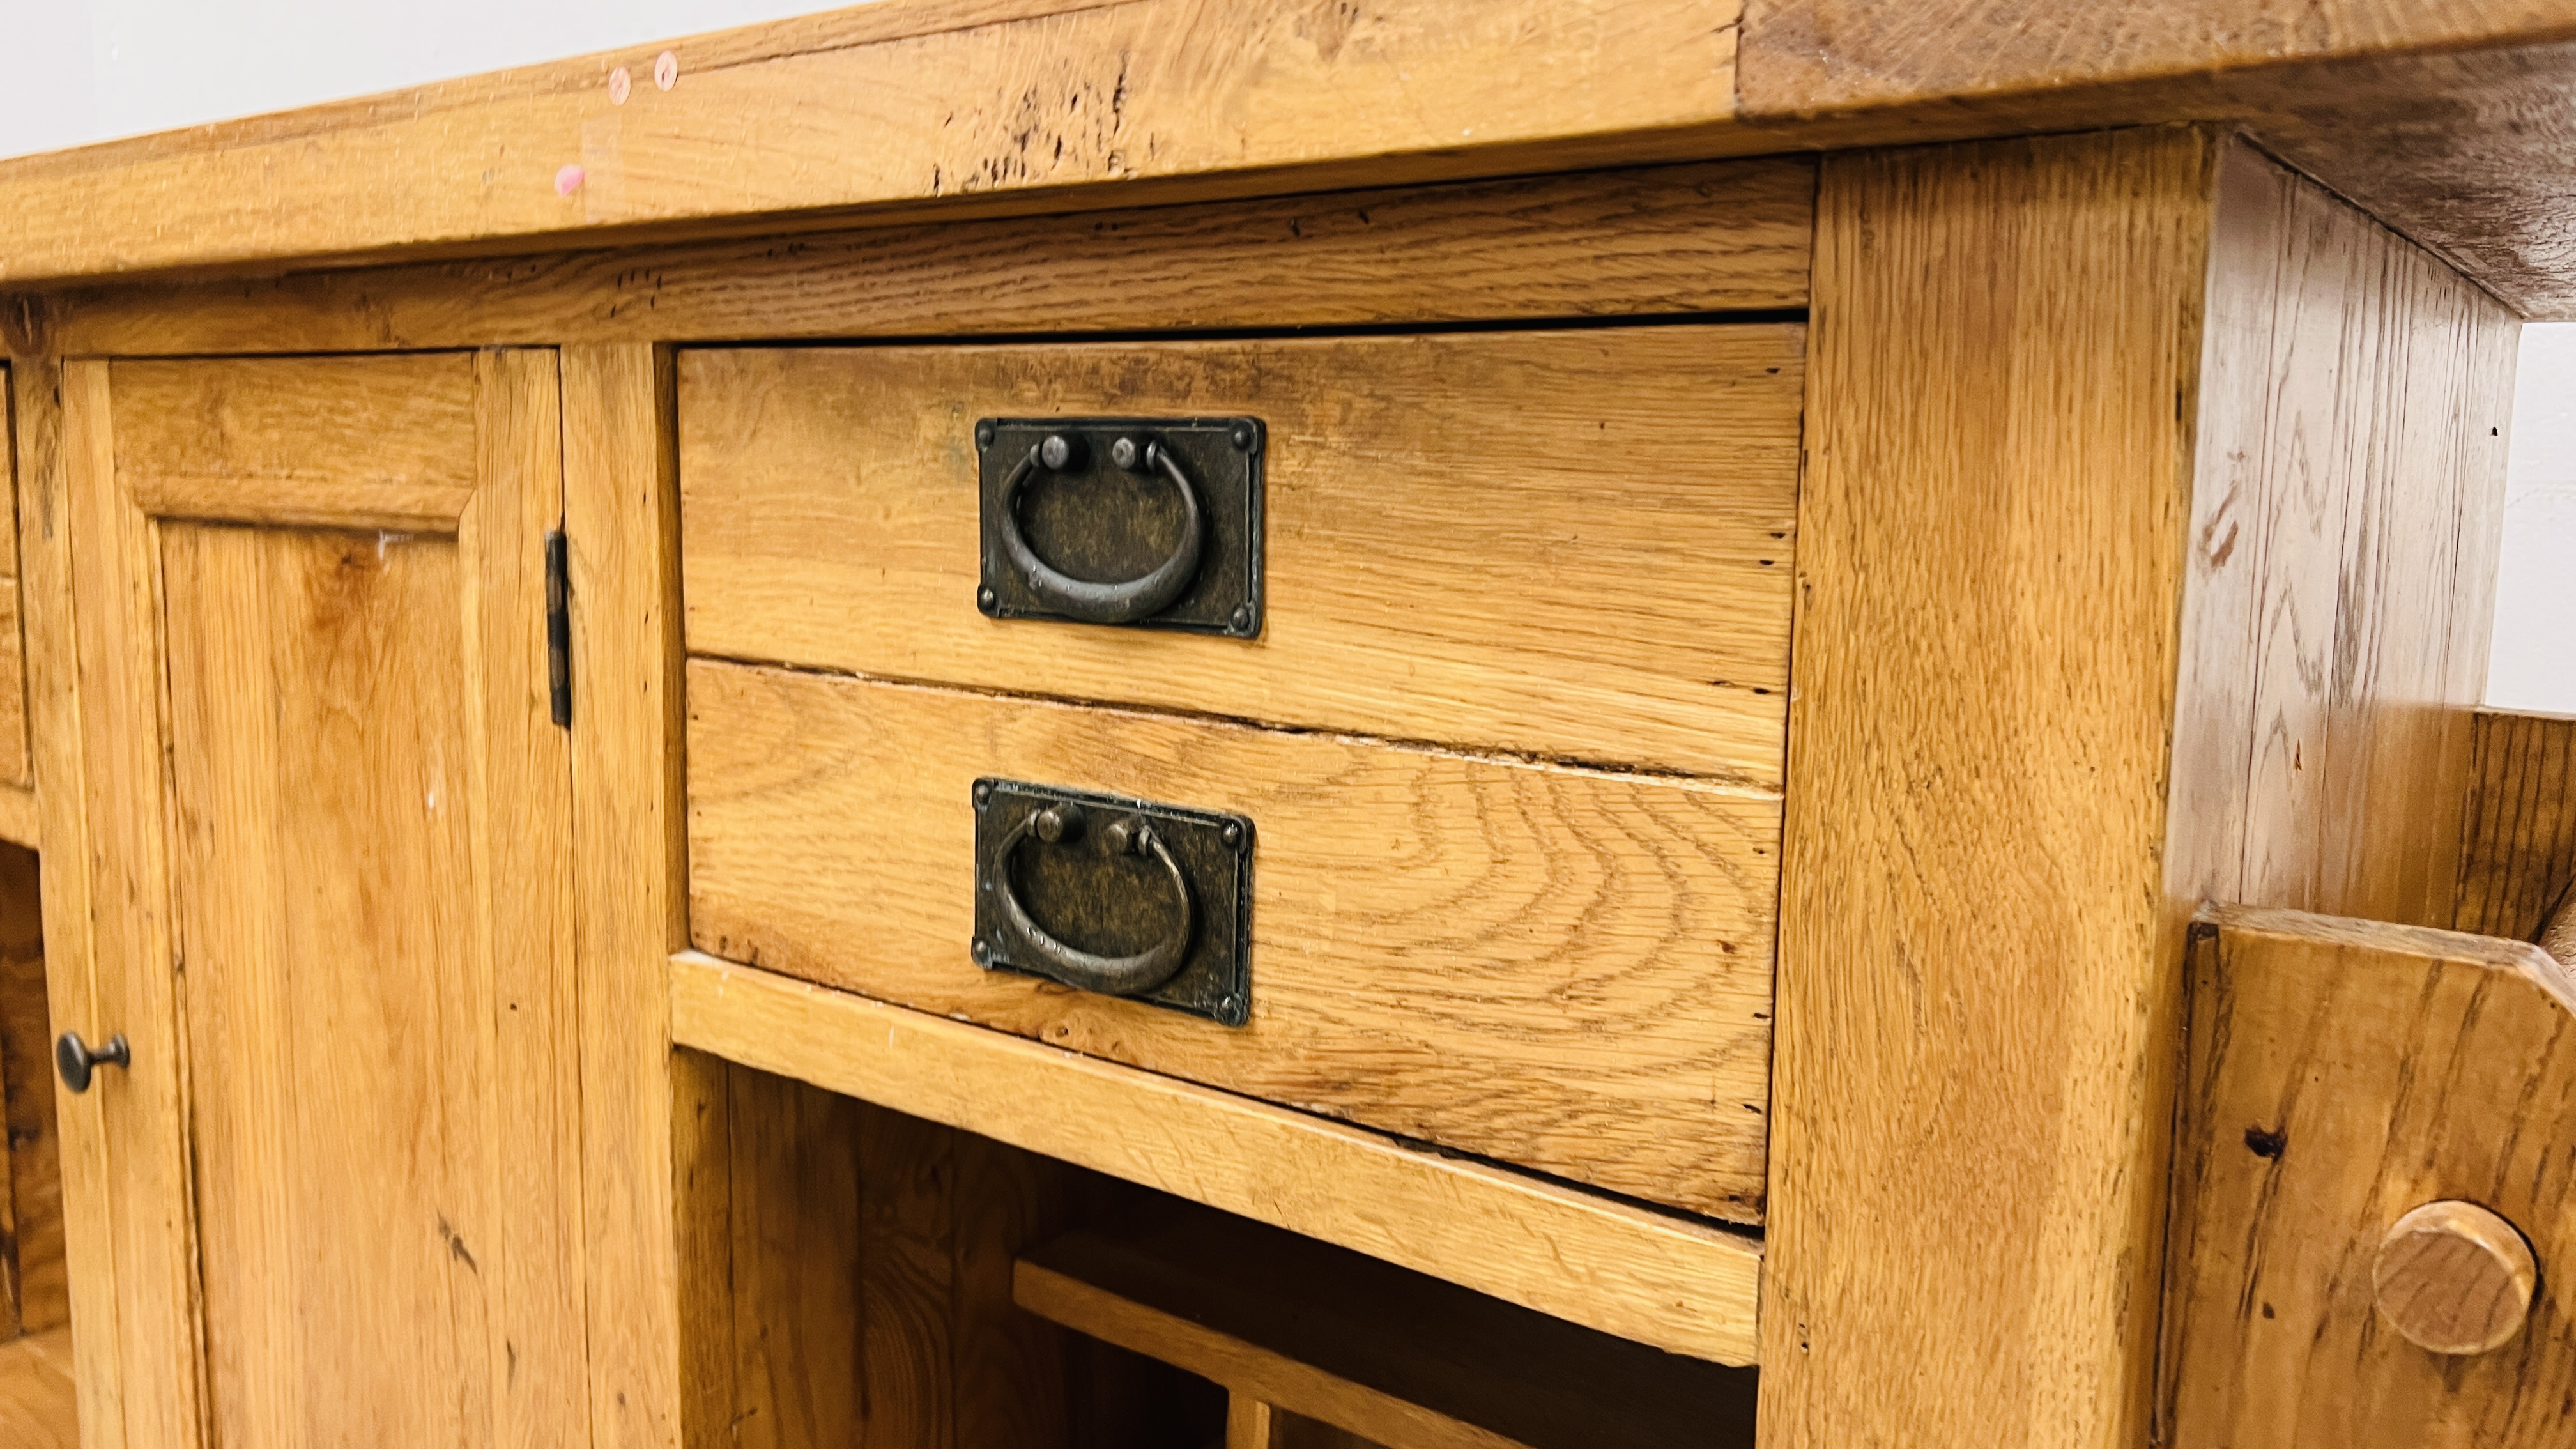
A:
x: 36, y: 1392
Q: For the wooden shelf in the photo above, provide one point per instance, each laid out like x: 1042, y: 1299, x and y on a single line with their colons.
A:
x: 1679, y: 1284
x: 1403, y: 1359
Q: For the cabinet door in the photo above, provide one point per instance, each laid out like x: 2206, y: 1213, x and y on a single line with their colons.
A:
x: 327, y: 814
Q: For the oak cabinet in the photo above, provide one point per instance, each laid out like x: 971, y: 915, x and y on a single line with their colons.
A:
x: 1761, y: 665
x: 329, y: 855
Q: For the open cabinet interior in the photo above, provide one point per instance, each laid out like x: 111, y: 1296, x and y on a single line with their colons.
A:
x: 852, y: 1275
x: 36, y: 1410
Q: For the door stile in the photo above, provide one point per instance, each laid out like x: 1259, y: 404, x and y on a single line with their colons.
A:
x: 141, y: 1118
x: 524, y: 855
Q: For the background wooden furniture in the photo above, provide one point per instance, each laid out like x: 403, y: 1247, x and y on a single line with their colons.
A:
x: 2144, y: 511
x: 2339, y: 1075
x: 2342, y: 1074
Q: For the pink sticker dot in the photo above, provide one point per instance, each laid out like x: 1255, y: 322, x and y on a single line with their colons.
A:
x: 619, y: 83
x: 568, y: 180
x: 666, y: 70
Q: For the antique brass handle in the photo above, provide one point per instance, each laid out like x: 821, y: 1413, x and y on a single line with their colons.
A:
x: 76, y: 1059
x: 1109, y: 975
x: 1090, y: 601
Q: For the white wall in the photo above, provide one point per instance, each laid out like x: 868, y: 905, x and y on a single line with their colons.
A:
x: 2534, y: 664
x: 84, y: 70
x: 87, y: 70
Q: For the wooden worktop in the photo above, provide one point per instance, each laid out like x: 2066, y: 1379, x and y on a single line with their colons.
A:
x: 2445, y: 118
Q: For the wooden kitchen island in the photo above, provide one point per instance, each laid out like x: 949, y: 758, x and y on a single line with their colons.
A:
x: 983, y: 723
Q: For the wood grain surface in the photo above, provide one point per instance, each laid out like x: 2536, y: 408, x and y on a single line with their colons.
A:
x: 295, y: 1213
x: 1650, y: 1276
x: 2455, y: 1278
x: 776, y: 1259
x: 620, y: 515
x: 2449, y: 148
x: 1572, y: 544
x: 50, y: 447
x: 896, y: 102
x: 2341, y: 1073
x: 1975, y: 1009
x: 21, y: 818
x: 2518, y: 846
x: 2445, y: 118
x: 2347, y: 508
x: 1252, y: 1424
x: 1715, y: 237
x: 2292, y: 577
x: 1562, y: 969
x: 1830, y: 55
x: 345, y: 980
x: 357, y: 444
x: 14, y: 765
x: 1259, y: 1379
x: 39, y: 1407
x: 1394, y: 1357
x: 20, y: 940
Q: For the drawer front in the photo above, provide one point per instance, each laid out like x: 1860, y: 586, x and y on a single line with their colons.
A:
x: 1572, y: 545
x: 1562, y: 968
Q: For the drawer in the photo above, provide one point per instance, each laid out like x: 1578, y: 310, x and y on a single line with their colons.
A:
x: 1571, y: 544
x: 1561, y: 968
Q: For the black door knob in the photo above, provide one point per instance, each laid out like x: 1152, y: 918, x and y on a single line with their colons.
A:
x: 76, y: 1059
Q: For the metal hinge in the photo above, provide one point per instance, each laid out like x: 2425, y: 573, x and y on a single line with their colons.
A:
x: 559, y: 626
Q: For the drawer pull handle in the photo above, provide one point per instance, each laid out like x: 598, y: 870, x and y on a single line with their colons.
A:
x: 1108, y: 975
x: 2454, y: 1278
x: 1084, y: 599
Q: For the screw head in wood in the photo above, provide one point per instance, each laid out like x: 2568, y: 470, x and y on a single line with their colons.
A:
x: 2454, y: 1278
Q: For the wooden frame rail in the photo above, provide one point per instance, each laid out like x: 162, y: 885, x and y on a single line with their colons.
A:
x: 1668, y: 1281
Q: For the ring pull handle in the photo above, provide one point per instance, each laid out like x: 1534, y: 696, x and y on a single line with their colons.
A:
x: 77, y: 1059
x: 1090, y: 601
x: 1108, y: 975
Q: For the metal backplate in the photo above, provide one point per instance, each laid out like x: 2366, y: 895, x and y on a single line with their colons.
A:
x: 1086, y: 892
x: 1099, y: 522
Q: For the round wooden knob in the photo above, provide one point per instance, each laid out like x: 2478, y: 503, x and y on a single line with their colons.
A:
x: 2454, y: 1278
